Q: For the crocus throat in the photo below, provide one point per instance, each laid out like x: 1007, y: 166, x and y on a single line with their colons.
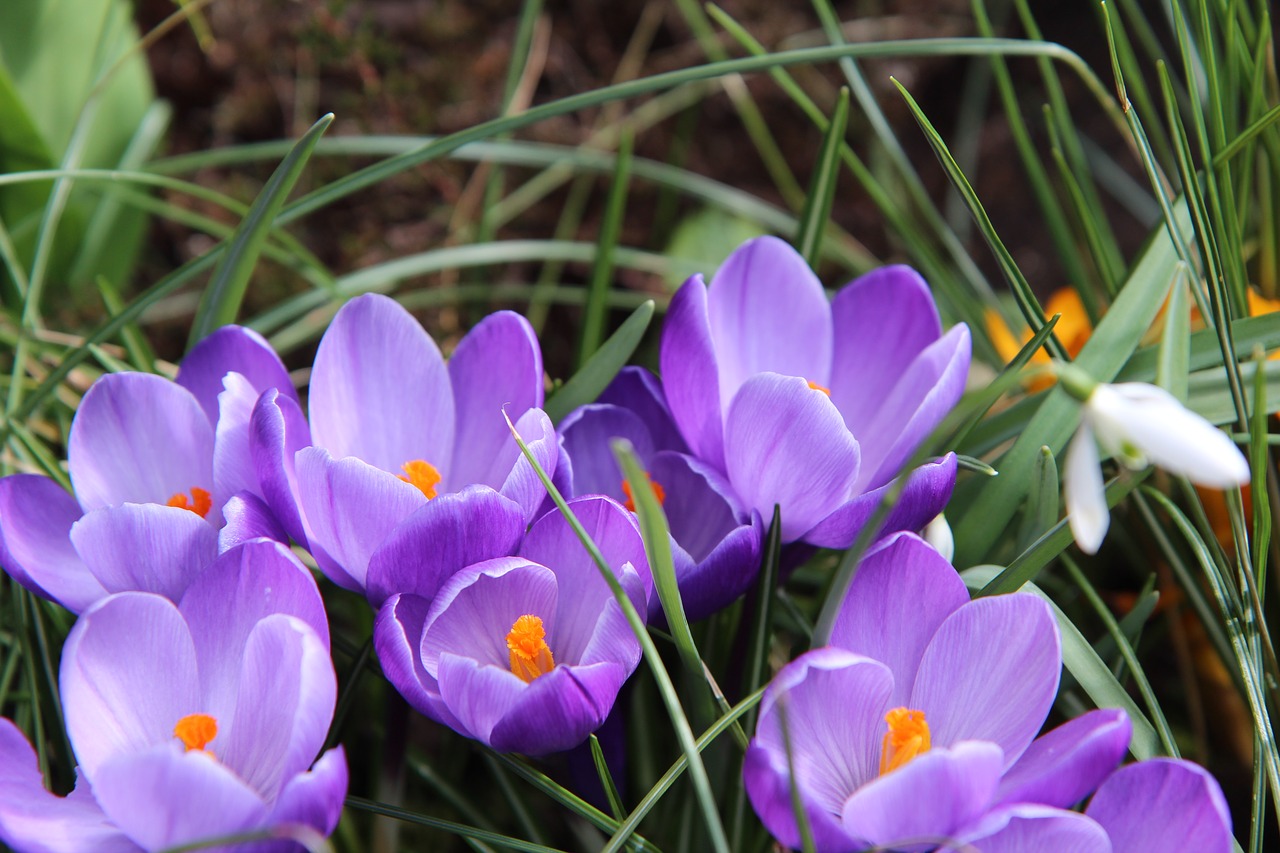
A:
x: 530, y: 654
x: 422, y: 475
x: 815, y: 386
x: 908, y: 736
x: 195, y: 731
x: 658, y: 492
x: 200, y: 502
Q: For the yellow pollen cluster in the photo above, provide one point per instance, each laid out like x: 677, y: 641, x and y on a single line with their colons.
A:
x: 658, y: 492
x: 422, y: 475
x: 908, y: 736
x: 815, y: 386
x: 200, y: 502
x: 530, y: 654
x: 195, y: 731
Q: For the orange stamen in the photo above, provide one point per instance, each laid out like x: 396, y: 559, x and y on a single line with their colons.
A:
x: 908, y: 736
x: 530, y: 654
x: 815, y: 386
x: 201, y: 501
x: 421, y: 474
x: 658, y: 492
x: 196, y: 730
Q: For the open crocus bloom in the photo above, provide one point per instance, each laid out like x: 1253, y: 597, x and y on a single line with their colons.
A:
x: 191, y: 721
x: 938, y: 714
x: 152, y: 463
x: 715, y: 539
x: 810, y: 404
x: 394, y: 426
x: 525, y: 653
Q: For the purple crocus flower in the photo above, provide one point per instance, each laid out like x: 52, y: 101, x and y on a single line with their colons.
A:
x: 938, y: 713
x: 525, y: 653
x: 393, y: 427
x: 190, y: 721
x: 152, y: 463
x: 811, y: 404
x: 715, y: 540
x: 1163, y: 805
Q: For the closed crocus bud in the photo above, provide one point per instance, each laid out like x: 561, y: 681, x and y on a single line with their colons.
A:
x: 1140, y: 424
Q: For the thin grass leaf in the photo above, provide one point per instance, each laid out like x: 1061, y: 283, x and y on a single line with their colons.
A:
x: 220, y: 302
x: 1260, y: 463
x: 602, y: 270
x: 1042, y: 502
x: 793, y: 786
x: 596, y: 374
x: 459, y: 829
x: 606, y: 778
x: 1174, y: 351
x: 822, y: 187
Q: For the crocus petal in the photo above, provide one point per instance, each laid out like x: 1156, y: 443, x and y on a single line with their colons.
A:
x: 785, y: 443
x: 163, y: 797
x: 314, y: 798
x: 723, y: 575
x: 145, y: 547
x: 379, y: 388
x: 926, y: 800
x: 1026, y: 828
x: 277, y: 431
x: 558, y: 710
x: 397, y: 637
x: 1062, y: 767
x: 1170, y: 435
x: 513, y: 476
x: 587, y: 434
x: 117, y: 703
x: 925, y: 394
x: 35, y: 821
x: 638, y: 390
x: 1160, y: 805
x: 769, y: 787
x: 903, y: 591
x: 248, y: 518
x: 228, y: 349
x: 36, y: 515
x: 925, y: 495
x: 689, y: 373
x: 223, y: 605
x: 284, y: 705
x: 349, y: 507
x: 884, y: 320
x: 551, y: 542
x: 768, y: 313
x: 451, y: 532
x: 973, y: 684
x: 233, y: 468
x: 497, y: 367
x: 477, y: 695
x: 139, y: 438
x: 1084, y: 492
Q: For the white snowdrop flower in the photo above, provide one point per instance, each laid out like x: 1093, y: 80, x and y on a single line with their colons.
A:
x: 938, y: 534
x: 1140, y: 424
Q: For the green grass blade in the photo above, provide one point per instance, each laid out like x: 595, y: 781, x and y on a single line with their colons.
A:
x: 594, y: 376
x: 1042, y: 502
x: 602, y: 270
x: 1174, y: 353
x: 822, y: 188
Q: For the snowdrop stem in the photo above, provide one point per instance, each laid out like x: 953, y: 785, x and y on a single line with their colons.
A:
x: 1075, y: 381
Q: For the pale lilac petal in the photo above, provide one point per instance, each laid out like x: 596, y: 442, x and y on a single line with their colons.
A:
x: 786, y: 444
x: 128, y: 676
x: 613, y: 640
x: 833, y: 754
x: 451, y: 532
x: 768, y: 313
x: 513, y: 476
x: 314, y: 798
x: 241, y: 588
x: 929, y: 389
x: 477, y: 695
x: 587, y: 435
x: 1026, y: 828
x: 551, y: 542
x: 284, y: 705
x: 233, y: 468
x: 277, y: 431
x: 232, y: 348
x: 883, y: 320
x: 35, y: 821
x: 1161, y: 805
x: 164, y: 797
x: 956, y: 783
x: 145, y: 547
x: 558, y: 710
x: 139, y: 438
x: 248, y: 518
x: 902, y: 593
x: 380, y: 390
x: 974, y: 684
x: 638, y: 390
x: 1063, y: 766
x: 689, y: 374
x: 36, y: 515
x: 926, y: 493
x: 349, y: 507
x: 496, y: 368
x: 397, y: 637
